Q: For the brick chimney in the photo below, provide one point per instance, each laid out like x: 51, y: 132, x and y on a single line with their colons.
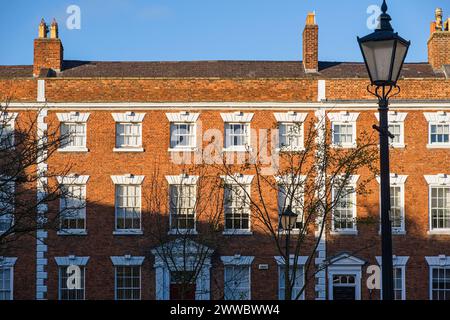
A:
x: 48, y: 52
x: 311, y: 44
x: 439, y: 42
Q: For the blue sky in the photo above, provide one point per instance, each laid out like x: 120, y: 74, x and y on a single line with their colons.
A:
x: 174, y: 30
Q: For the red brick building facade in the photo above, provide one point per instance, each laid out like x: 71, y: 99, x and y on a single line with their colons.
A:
x: 122, y: 113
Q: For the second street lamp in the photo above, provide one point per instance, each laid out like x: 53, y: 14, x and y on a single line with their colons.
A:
x: 384, y: 53
x: 288, y: 220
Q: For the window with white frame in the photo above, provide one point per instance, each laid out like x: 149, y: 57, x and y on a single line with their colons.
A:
x: 73, y: 207
x: 397, y: 194
x: 7, y: 125
x: 237, y: 131
x: 439, y: 202
x: 128, y: 282
x: 291, y: 130
x: 73, y: 135
x: 439, y: 277
x: 343, y: 129
x: 73, y: 131
x: 399, y: 264
x: 6, y: 205
x: 66, y: 293
x: 128, y: 135
x: 291, y: 195
x: 6, y: 282
x: 344, y: 212
x: 396, y: 128
x: 128, y: 207
x: 237, y: 207
x: 128, y: 131
x: 439, y: 129
x: 183, y: 198
x: 298, y: 292
x: 237, y: 274
x: 182, y: 135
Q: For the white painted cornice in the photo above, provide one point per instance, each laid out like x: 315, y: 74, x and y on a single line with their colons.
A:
x: 183, y: 116
x: 237, y: 260
x: 128, y: 117
x: 128, y: 179
x: 73, y: 117
x: 290, y: 117
x: 237, y: 117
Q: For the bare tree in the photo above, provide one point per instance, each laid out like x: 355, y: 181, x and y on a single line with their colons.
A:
x: 316, y: 182
x: 26, y: 189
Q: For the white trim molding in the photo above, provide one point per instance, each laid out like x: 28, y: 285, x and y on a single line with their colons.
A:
x: 41, y: 91
x: 127, y: 260
x: 290, y: 179
x: 7, y: 262
x: 398, y: 261
x: 343, y: 116
x: 129, y: 116
x: 290, y: 117
x: 237, y: 116
x: 301, y: 260
x: 9, y: 118
x: 72, y: 117
x: 182, y: 179
x: 183, y: 116
x: 72, y: 179
x: 438, y: 180
x: 128, y: 179
x: 71, y: 260
x: 238, y: 179
x: 321, y: 90
x: 237, y: 260
x: 438, y: 261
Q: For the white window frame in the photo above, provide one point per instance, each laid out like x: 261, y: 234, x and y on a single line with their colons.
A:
x: 398, y: 181
x: 296, y: 119
x: 245, y: 182
x: 74, y: 180
x: 301, y: 261
x: 237, y: 118
x: 396, y: 118
x: 335, y: 231
x: 8, y: 263
x: 124, y: 119
x: 128, y: 180
x: 343, y: 118
x: 127, y: 261
x: 238, y: 261
x: 437, y: 118
x: 286, y: 181
x: 436, y: 181
x: 9, y: 120
x: 184, y: 118
x: 436, y: 262
x: 399, y: 262
x: 11, y: 186
x: 64, y: 262
x: 182, y: 180
x: 74, y: 118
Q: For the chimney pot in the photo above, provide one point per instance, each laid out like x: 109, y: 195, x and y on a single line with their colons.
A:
x: 439, y: 42
x: 54, y: 33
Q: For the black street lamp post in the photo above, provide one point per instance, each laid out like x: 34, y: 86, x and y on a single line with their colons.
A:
x: 288, y: 220
x: 384, y: 53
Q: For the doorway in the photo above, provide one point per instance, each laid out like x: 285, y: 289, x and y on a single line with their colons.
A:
x: 182, y: 285
x: 344, y: 287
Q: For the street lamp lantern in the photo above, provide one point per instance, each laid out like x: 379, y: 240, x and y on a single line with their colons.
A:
x: 288, y: 219
x: 384, y: 52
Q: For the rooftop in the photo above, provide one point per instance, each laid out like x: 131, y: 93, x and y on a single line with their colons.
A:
x: 215, y: 69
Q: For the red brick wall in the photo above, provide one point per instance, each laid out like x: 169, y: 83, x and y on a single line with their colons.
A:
x: 48, y: 53
x: 439, y: 49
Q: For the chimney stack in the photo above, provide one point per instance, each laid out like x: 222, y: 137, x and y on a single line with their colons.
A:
x: 48, y: 52
x: 439, y: 42
x: 311, y: 44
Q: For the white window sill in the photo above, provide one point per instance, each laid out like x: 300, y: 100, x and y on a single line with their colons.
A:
x: 74, y: 232
x: 438, y: 146
x: 182, y: 232
x: 128, y: 150
x: 128, y: 233
x: 398, y: 146
x: 344, y: 146
x: 186, y: 149
x: 289, y: 149
x: 443, y: 232
x: 344, y: 233
x: 237, y: 233
x: 292, y: 232
x: 74, y: 149
x: 396, y: 233
x: 237, y: 149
